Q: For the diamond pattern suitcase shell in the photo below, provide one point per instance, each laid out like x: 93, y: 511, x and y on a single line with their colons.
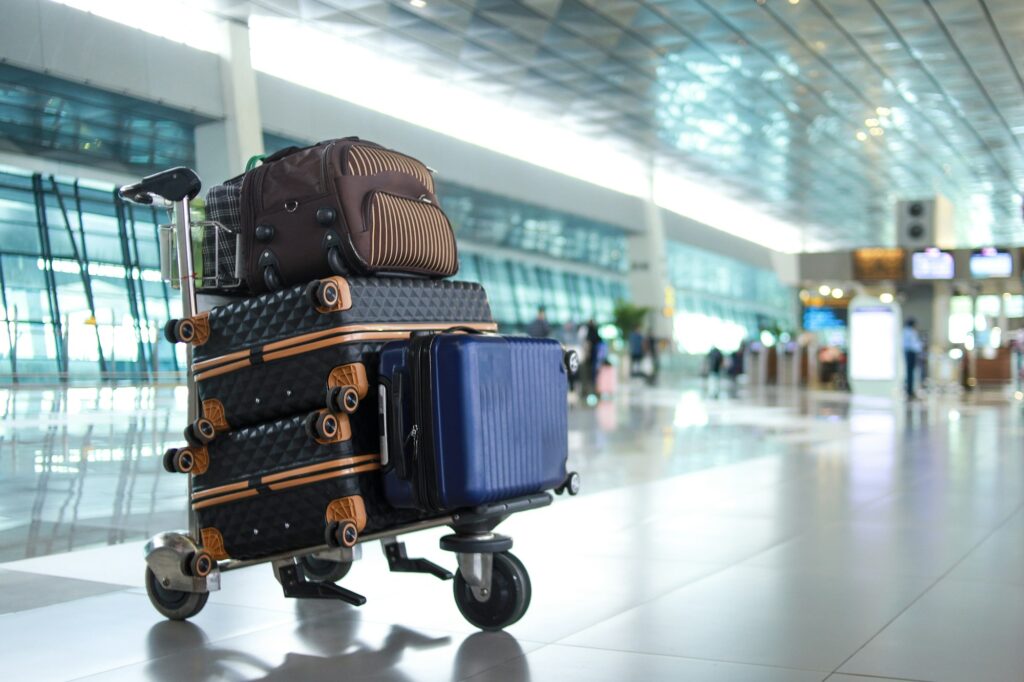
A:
x: 230, y: 331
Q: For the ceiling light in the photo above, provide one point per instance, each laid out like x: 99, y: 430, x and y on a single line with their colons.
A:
x: 794, y: 2
x: 837, y: 293
x: 883, y: 111
x: 871, y: 122
x: 877, y: 131
x: 418, y: 3
x: 824, y: 290
x: 886, y: 298
x: 861, y: 135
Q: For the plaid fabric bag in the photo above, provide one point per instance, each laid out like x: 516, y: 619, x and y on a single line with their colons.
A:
x: 224, y: 204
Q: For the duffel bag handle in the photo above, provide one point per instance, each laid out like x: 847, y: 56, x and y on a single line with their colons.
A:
x: 257, y: 159
x: 464, y: 328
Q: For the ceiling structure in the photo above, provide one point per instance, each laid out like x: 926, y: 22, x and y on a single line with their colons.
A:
x: 826, y: 111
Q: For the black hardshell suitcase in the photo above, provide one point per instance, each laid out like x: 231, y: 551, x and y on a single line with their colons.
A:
x: 280, y: 486
x: 268, y: 356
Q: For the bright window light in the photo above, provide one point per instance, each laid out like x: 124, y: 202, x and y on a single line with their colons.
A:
x: 175, y: 20
x: 310, y: 57
x: 710, y: 204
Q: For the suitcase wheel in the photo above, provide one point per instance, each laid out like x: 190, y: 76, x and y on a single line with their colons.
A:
x: 506, y: 600
x: 184, y: 461
x: 571, y: 485
x: 322, y: 425
x: 272, y: 278
x: 168, y: 460
x: 200, y: 564
x: 343, y: 399
x: 184, y: 331
x: 171, y: 331
x: 572, y: 362
x: 342, y: 534
x: 200, y: 432
x: 324, y: 294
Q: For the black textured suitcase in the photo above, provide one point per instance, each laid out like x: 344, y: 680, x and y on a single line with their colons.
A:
x: 291, y: 351
x: 284, y: 485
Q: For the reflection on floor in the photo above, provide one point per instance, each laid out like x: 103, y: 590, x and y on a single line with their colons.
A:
x: 781, y: 535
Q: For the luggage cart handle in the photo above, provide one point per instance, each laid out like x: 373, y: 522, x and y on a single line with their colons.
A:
x: 175, y: 184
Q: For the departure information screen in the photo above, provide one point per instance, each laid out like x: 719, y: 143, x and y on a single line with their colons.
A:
x: 991, y: 263
x: 817, y: 318
x: 932, y: 264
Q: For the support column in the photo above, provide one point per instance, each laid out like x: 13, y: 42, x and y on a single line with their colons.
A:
x: 648, y: 268
x: 223, y: 147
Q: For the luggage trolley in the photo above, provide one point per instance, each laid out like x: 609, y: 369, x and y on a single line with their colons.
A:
x: 491, y: 586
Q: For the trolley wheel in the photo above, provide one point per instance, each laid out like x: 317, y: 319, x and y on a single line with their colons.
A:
x: 173, y: 604
x: 171, y: 331
x: 508, y: 599
x: 342, y: 534
x: 272, y: 278
x: 324, y: 570
x: 200, y: 432
x: 325, y: 294
x: 343, y: 399
x: 169, y: 460
x: 184, y: 331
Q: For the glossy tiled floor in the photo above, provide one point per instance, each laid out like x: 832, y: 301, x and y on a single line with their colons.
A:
x: 781, y: 535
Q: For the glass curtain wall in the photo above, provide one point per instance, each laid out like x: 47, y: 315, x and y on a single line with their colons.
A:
x: 80, y: 288
x: 721, y: 301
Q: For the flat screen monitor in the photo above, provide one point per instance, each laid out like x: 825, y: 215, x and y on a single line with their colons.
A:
x: 873, y: 343
x: 818, y: 318
x: 932, y: 264
x: 991, y: 263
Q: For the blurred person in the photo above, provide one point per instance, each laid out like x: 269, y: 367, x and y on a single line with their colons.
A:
x: 715, y: 360
x: 636, y: 352
x: 539, y: 328
x: 736, y: 364
x: 652, y: 353
x: 912, y: 348
x: 592, y: 342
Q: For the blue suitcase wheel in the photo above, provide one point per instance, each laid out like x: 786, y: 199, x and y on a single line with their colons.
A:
x: 507, y: 601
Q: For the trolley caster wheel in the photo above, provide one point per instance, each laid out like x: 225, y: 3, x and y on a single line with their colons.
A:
x: 507, y: 601
x: 200, y: 432
x: 322, y: 426
x: 173, y: 604
x: 324, y: 570
x: 343, y: 399
x: 342, y: 534
x: 325, y: 293
x: 572, y: 362
x: 168, y: 460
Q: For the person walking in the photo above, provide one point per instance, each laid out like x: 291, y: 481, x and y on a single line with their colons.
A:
x: 715, y: 360
x: 539, y: 328
x: 912, y: 348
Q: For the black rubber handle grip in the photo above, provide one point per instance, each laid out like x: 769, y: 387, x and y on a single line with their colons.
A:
x: 174, y: 184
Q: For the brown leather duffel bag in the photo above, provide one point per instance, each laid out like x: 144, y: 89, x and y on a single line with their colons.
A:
x: 345, y: 206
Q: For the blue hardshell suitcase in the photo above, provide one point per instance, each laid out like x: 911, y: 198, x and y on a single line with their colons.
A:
x: 468, y: 419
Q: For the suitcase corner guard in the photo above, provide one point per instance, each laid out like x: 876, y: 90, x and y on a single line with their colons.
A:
x: 213, y: 542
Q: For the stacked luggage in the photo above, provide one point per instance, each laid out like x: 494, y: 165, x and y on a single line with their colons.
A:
x: 347, y: 388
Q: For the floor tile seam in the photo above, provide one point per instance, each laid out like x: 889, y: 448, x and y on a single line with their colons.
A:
x: 728, y: 661
x: 881, y: 678
x: 684, y: 585
x: 929, y: 587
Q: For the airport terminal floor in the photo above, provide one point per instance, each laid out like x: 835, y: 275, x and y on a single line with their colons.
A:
x: 780, y: 534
